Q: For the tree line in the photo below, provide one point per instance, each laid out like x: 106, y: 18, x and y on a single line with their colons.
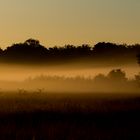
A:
x: 115, y: 80
x: 31, y: 51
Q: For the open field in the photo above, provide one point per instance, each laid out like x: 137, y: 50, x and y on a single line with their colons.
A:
x: 41, y: 116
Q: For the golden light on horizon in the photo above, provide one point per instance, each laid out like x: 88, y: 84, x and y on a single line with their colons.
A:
x: 63, y: 22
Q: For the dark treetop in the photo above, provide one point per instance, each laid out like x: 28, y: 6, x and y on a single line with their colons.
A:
x: 31, y: 51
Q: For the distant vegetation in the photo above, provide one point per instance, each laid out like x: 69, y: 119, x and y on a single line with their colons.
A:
x: 29, y: 110
x: 114, y: 81
x: 31, y: 51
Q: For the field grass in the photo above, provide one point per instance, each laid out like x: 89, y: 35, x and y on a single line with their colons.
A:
x: 42, y: 116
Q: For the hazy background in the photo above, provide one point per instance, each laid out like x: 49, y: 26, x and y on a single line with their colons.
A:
x: 11, y: 72
x: 59, y: 22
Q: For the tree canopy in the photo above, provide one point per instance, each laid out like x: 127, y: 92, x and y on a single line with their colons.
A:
x: 32, y: 51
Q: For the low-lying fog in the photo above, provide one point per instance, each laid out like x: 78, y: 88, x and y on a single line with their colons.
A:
x: 15, y: 77
x: 20, y: 73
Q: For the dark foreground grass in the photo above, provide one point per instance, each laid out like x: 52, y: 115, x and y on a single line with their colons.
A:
x: 34, y: 117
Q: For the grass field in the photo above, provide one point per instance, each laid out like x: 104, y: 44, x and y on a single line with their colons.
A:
x: 42, y: 116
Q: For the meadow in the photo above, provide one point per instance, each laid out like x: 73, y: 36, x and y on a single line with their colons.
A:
x: 70, y: 116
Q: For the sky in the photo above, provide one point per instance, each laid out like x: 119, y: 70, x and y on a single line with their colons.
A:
x: 60, y: 22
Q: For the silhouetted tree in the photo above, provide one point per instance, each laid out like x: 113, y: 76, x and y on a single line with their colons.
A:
x: 29, y: 51
x: 1, y: 51
x: 100, y: 78
x: 112, y: 51
x: 32, y: 42
x: 138, y: 58
x: 117, y: 75
x: 137, y: 79
x: 32, y: 51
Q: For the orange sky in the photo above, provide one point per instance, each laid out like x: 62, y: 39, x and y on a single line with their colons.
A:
x: 59, y: 22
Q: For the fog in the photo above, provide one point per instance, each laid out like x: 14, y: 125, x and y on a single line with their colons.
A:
x: 20, y: 72
x: 72, y: 78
